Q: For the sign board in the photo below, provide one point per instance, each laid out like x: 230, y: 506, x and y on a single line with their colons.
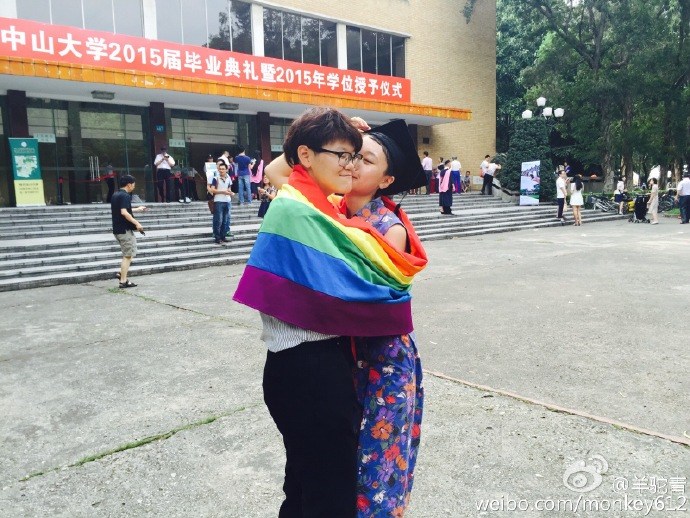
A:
x: 45, y: 138
x: 276, y: 148
x: 174, y: 142
x: 61, y: 44
x: 28, y: 184
x: 530, y: 183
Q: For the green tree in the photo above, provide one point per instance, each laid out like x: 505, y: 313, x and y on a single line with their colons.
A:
x: 529, y: 143
x: 620, y: 68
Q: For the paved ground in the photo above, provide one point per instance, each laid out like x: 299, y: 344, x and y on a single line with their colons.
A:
x: 163, y: 415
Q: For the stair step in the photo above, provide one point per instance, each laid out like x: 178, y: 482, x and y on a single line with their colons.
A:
x: 74, y: 244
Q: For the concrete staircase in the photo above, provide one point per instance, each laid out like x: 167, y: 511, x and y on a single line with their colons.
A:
x: 44, y: 246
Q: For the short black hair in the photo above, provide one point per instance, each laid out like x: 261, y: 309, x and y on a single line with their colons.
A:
x: 316, y: 127
x: 126, y: 180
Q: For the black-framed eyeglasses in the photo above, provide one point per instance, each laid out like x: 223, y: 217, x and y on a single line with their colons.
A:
x: 344, y: 157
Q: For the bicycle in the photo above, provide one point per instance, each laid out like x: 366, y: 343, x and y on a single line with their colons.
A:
x: 666, y: 202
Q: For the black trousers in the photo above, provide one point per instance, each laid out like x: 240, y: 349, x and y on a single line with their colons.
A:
x: 487, y: 186
x: 164, y: 184
x: 561, y: 204
x: 310, y: 394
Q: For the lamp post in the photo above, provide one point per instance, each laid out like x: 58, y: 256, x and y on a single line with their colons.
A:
x: 546, y: 112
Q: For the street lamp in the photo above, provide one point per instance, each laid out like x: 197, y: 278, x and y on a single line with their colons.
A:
x: 546, y: 111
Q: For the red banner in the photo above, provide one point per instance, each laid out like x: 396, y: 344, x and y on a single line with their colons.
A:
x: 61, y: 44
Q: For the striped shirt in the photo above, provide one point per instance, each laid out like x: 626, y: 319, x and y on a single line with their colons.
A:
x: 280, y: 335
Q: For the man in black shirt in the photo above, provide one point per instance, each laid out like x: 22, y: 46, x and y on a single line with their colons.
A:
x: 123, y: 226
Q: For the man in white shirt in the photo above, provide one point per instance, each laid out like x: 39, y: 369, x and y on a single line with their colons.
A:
x: 683, y: 198
x: 484, y: 166
x: 163, y: 164
x: 428, y: 166
x: 561, y: 194
x: 224, y: 158
x: 455, y: 168
x: 488, y: 184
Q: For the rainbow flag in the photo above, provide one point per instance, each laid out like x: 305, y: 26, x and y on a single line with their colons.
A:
x: 313, y: 268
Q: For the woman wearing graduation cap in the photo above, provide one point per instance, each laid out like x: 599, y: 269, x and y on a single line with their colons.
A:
x: 388, y: 374
x: 388, y: 377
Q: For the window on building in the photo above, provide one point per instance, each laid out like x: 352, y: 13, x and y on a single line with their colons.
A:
x: 98, y: 15
x: 229, y: 25
x: 398, y: 57
x: 241, y: 27
x: 194, y: 30
x: 37, y: 10
x: 369, y: 52
x: 128, y: 17
x: 354, y: 48
x: 299, y: 38
x: 273, y: 33
x: 66, y: 12
x: 119, y: 16
x: 329, y: 44
x: 169, y: 20
x: 311, y: 50
x: 375, y: 52
x: 292, y: 37
x: 218, y: 26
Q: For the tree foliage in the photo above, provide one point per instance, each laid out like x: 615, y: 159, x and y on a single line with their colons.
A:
x: 530, y: 143
x: 620, y: 68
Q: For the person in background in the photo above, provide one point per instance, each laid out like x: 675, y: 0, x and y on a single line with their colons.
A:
x: 220, y: 189
x: 243, y: 175
x: 561, y: 194
x: 164, y: 164
x: 619, y: 194
x: 455, y: 171
x: 225, y: 157
x: 466, y: 185
x: 110, y: 179
x: 437, y: 176
x: 266, y: 194
x: 576, y: 200
x: 123, y: 226
x: 653, y: 203
x: 484, y: 168
x: 257, y: 173
x: 445, y: 190
x: 189, y: 178
x: 428, y: 166
x: 211, y: 171
x: 683, y: 198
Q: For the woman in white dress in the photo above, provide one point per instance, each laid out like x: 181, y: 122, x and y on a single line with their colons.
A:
x: 653, y: 203
x: 576, y: 201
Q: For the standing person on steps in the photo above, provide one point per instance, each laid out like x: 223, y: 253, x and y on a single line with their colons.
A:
x: 561, y: 195
x: 164, y: 164
x: 222, y: 194
x: 244, y: 177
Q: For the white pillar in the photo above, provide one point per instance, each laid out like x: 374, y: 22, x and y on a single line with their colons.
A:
x: 341, y: 39
x: 8, y: 8
x: 150, y: 23
x: 257, y: 14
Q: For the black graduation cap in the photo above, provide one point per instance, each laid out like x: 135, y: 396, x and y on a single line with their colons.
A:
x: 403, y: 161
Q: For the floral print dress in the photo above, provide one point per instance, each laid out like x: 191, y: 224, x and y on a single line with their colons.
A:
x: 388, y: 380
